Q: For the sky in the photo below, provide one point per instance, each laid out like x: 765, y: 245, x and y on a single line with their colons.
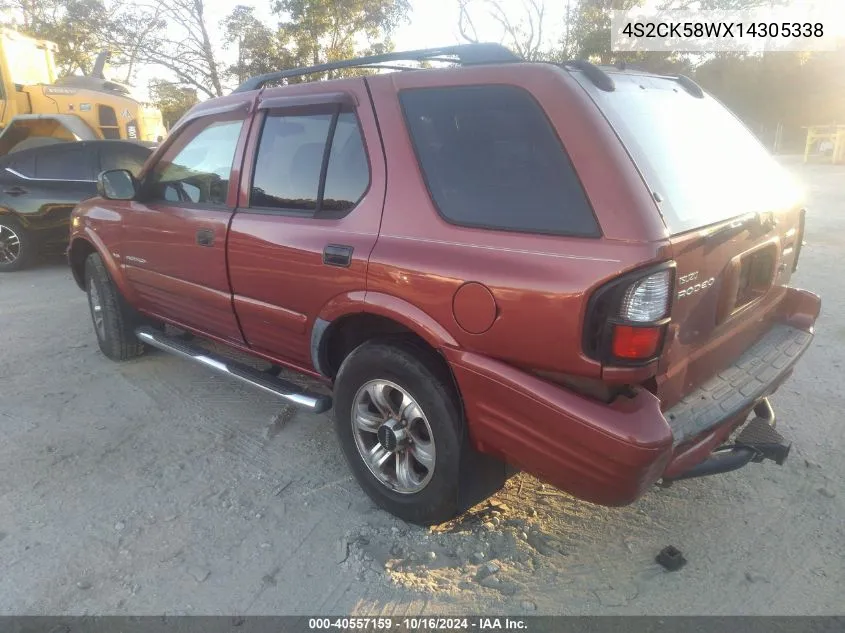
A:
x: 432, y: 23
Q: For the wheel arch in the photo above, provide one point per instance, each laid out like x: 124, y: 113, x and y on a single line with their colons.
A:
x: 81, y: 246
x: 351, y: 319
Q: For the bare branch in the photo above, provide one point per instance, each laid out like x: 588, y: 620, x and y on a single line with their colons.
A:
x: 465, y: 22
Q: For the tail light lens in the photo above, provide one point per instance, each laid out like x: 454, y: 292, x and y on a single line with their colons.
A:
x: 647, y: 300
x: 627, y: 318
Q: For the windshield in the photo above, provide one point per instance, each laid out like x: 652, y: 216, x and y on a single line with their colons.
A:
x: 699, y: 158
x: 28, y: 63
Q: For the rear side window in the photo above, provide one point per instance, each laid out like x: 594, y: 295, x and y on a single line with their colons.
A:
x: 65, y: 163
x: 22, y: 163
x: 289, y: 168
x: 491, y: 159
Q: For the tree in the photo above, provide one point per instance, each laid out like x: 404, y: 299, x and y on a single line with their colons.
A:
x: 317, y: 31
x: 524, y: 34
x: 259, y: 50
x: 76, y: 26
x: 172, y: 99
x: 590, y: 29
x: 177, y: 39
x: 135, y: 29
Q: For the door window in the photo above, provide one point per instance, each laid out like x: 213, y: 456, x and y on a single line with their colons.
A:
x: 123, y: 156
x: 65, y: 163
x: 197, y: 167
x: 22, y: 164
x: 312, y: 164
x: 492, y: 160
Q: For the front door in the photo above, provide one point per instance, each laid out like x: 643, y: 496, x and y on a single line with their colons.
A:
x: 174, y: 236
x: 312, y: 196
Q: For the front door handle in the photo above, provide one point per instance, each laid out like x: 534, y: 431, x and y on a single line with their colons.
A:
x: 15, y: 191
x: 205, y: 237
x: 338, y: 255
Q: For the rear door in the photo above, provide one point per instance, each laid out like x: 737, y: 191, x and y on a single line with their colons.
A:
x: 733, y: 213
x: 309, y: 213
x: 43, y: 185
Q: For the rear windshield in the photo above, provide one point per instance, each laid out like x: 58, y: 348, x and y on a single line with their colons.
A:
x: 694, y: 153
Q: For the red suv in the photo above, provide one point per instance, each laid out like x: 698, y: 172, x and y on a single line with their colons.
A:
x: 576, y: 271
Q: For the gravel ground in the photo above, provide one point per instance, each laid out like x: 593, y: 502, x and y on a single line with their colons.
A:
x: 151, y: 487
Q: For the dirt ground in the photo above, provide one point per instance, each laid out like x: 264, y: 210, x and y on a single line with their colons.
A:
x: 152, y: 487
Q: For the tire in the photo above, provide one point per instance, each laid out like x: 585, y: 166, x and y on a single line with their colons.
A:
x: 414, y: 371
x: 115, y: 327
x: 17, y: 248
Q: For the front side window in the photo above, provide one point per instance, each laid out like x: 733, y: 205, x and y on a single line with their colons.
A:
x: 197, y: 169
x: 289, y: 170
x: 492, y: 159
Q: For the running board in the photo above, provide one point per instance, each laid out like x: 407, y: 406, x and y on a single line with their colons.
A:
x: 315, y: 403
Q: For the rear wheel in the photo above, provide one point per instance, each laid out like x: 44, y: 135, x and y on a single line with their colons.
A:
x: 400, y: 425
x: 114, y: 320
x: 16, y: 247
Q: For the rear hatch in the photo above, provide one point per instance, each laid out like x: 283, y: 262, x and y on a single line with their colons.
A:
x: 732, y: 213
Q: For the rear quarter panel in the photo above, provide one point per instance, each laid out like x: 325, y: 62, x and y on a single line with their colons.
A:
x: 540, y: 283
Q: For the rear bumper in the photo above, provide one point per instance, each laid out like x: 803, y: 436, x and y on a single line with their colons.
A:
x: 611, y: 453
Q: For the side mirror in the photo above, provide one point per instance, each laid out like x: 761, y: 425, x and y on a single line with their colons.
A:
x: 117, y: 184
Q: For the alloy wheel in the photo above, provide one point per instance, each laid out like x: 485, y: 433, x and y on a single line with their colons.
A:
x: 96, y: 305
x: 10, y: 245
x: 393, y: 436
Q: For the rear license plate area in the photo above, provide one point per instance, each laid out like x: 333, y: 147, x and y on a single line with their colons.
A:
x: 756, y: 272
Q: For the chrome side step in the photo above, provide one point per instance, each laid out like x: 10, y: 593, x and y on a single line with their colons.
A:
x: 316, y: 403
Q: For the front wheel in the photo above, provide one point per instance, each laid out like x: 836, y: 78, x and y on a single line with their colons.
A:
x: 114, y: 320
x: 400, y: 425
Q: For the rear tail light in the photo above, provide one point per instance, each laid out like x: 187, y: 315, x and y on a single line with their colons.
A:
x: 627, y: 318
x: 647, y: 300
x: 635, y: 343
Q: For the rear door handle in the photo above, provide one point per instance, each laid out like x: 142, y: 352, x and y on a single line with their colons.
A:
x: 338, y: 255
x: 205, y: 237
x: 15, y: 191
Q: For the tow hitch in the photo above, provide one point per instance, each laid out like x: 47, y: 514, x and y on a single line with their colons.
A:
x: 756, y: 442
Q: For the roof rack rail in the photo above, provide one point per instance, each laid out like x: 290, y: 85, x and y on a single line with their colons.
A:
x: 596, y: 75
x: 465, y: 54
x: 690, y: 86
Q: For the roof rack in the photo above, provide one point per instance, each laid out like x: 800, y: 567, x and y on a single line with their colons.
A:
x: 690, y: 86
x: 603, y: 81
x: 465, y: 54
x: 596, y: 75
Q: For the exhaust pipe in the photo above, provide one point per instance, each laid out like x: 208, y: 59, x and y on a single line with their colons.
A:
x: 288, y: 391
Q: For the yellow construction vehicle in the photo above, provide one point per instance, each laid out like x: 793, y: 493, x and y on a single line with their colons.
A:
x: 37, y: 108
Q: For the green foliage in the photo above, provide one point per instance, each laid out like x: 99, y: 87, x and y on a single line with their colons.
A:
x: 790, y: 89
x: 74, y: 25
x: 311, y: 32
x: 258, y: 46
x: 172, y: 99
